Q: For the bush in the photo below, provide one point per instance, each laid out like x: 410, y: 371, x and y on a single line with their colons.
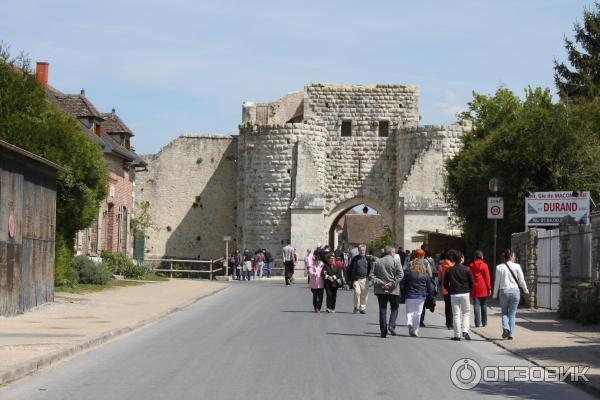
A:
x: 585, y: 310
x: 91, y: 272
x: 65, y: 269
x: 120, y: 264
x: 567, y: 306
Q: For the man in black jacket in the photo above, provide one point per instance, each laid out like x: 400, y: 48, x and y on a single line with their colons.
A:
x: 458, y: 281
x: 360, y: 268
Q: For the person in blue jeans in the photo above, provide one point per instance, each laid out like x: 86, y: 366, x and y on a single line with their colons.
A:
x: 508, y: 284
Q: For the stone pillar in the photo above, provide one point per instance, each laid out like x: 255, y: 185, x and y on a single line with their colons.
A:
x: 526, y: 246
x: 595, y: 220
x: 574, y: 278
x: 307, y: 208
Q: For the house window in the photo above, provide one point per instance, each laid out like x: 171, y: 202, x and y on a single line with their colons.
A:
x: 347, y: 128
x: 384, y: 128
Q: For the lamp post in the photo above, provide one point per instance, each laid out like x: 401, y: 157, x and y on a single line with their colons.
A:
x: 494, y: 187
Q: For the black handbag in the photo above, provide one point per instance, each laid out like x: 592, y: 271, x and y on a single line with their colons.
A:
x: 521, y: 291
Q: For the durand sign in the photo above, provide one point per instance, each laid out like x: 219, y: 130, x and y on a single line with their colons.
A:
x: 549, y: 208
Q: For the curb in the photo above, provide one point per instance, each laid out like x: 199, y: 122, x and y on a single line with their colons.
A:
x: 588, y: 387
x: 29, y: 367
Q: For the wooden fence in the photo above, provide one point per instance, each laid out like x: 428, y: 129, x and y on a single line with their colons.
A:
x: 171, y: 262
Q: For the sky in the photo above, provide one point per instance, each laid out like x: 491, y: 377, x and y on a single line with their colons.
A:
x: 173, y: 67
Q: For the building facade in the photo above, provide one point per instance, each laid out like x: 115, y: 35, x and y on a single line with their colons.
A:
x: 111, y: 231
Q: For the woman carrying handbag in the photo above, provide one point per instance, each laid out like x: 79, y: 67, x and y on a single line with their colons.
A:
x: 333, y: 281
x: 509, y: 282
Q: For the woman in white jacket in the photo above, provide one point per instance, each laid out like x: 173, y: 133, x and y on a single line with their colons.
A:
x: 507, y: 282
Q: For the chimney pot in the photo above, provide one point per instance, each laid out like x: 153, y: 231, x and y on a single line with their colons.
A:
x: 113, y: 110
x: 41, y: 74
x: 82, y: 92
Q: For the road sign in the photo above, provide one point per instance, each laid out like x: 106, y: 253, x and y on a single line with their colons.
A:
x: 549, y: 208
x: 226, y: 237
x: 495, y: 208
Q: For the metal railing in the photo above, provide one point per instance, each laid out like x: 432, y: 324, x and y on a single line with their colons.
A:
x: 172, y: 261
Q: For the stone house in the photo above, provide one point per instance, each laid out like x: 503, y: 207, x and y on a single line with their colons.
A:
x: 111, y: 231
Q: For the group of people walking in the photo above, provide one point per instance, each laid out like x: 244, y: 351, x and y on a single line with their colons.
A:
x: 416, y: 283
x: 250, y: 265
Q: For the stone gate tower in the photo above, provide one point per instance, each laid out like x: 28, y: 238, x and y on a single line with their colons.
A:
x: 306, y: 159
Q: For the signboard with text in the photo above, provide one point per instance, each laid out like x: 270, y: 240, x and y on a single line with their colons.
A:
x: 549, y: 208
x: 495, y: 208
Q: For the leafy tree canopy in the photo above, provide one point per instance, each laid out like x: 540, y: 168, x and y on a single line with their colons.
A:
x: 530, y: 145
x: 30, y: 121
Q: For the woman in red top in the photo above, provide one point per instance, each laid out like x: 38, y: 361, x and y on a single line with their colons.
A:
x: 481, y: 288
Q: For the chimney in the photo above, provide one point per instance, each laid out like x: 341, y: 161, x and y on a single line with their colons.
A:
x: 41, y: 74
x: 82, y: 92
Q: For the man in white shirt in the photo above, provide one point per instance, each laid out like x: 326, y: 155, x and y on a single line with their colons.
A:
x: 288, y: 262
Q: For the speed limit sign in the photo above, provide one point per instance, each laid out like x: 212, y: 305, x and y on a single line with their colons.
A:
x: 495, y: 208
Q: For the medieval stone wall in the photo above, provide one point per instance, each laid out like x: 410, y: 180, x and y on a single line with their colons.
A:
x: 267, y: 157
x: 191, y: 187
x: 420, y: 173
x: 361, y: 166
x: 291, y: 173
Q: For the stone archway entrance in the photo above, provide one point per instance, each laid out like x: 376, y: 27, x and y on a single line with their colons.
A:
x: 341, y: 209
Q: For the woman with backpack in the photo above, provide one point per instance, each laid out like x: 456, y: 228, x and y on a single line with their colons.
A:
x: 508, y: 284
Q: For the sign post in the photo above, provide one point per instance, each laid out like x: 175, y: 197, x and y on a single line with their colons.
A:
x: 495, y: 211
x: 226, y: 239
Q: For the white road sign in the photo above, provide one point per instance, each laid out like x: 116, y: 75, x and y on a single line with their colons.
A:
x: 495, y: 208
x: 549, y: 208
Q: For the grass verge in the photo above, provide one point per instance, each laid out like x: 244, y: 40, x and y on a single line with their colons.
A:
x: 88, y: 288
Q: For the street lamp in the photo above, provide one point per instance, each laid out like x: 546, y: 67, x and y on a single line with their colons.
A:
x: 494, y: 185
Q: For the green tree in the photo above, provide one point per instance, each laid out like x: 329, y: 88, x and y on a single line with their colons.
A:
x: 30, y: 121
x: 386, y: 239
x: 582, y: 81
x: 530, y: 145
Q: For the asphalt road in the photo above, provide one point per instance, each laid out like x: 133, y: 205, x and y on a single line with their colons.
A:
x: 261, y: 340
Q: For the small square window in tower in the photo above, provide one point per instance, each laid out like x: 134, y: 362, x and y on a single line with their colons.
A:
x: 384, y: 128
x: 347, y: 128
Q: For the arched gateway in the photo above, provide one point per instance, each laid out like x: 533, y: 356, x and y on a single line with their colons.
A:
x: 296, y: 166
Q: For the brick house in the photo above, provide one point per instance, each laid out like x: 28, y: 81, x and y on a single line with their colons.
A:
x: 111, y: 231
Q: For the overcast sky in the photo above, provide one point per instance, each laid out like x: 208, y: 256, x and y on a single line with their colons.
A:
x: 172, y: 67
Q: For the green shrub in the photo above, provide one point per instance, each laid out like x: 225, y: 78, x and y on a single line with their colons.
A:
x: 65, y: 269
x: 585, y: 310
x: 91, y: 272
x: 120, y: 264
x: 567, y: 306
x: 136, y: 272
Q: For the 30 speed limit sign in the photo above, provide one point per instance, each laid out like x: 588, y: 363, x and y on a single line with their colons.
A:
x: 495, y: 208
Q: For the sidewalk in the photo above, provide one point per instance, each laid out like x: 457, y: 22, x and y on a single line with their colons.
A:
x: 544, y: 339
x: 76, y: 322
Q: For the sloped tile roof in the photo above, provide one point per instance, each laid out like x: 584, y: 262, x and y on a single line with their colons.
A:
x: 114, y: 124
x: 79, y: 106
x: 76, y: 105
